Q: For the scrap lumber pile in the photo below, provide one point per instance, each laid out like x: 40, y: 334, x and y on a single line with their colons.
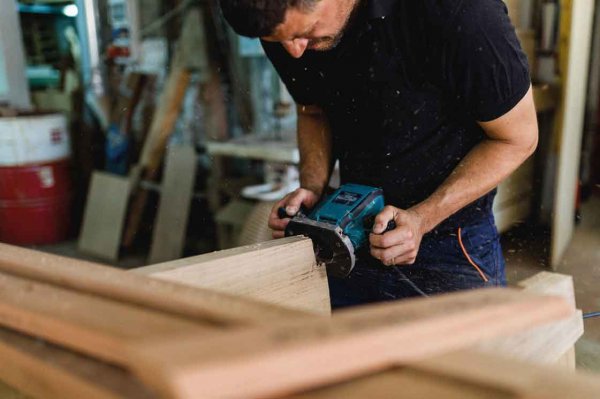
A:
x: 74, y: 329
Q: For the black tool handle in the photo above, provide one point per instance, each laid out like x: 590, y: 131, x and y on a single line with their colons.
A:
x: 282, y: 213
x: 390, y: 226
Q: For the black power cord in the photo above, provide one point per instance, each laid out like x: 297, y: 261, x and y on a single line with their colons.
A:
x: 590, y: 315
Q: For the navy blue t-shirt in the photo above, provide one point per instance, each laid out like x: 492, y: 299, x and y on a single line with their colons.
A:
x: 404, y: 89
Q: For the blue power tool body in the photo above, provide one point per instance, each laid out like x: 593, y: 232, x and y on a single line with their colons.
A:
x: 340, y: 225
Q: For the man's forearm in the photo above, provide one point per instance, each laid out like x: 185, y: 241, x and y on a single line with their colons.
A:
x: 314, y: 143
x: 480, y: 171
x: 512, y: 138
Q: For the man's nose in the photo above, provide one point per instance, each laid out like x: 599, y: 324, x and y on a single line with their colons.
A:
x: 295, y: 47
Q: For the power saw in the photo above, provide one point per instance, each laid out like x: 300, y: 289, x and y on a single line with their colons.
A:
x: 339, y: 225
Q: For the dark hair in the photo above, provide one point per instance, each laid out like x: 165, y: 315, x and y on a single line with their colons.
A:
x: 256, y: 18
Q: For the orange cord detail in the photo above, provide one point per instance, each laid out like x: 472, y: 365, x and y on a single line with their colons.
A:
x: 483, y: 276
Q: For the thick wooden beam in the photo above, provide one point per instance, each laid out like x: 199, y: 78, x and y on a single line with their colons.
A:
x: 43, y: 370
x: 281, y: 359
x: 282, y: 272
x: 549, y: 343
x: 93, y: 325
x: 520, y: 379
x: 464, y: 375
x: 112, y: 283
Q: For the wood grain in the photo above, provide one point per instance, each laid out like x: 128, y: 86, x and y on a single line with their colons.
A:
x: 522, y: 379
x: 43, y: 370
x: 545, y: 344
x: 281, y: 359
x: 196, y: 303
x: 93, y: 325
x: 464, y: 374
x: 282, y: 272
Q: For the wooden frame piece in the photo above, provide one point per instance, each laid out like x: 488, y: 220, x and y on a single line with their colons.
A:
x: 549, y: 343
x: 282, y: 272
x: 109, y: 282
x: 464, y: 375
x: 93, y: 325
x: 44, y: 370
x: 282, y: 359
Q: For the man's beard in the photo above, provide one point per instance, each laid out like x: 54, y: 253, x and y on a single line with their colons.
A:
x: 326, y: 43
x: 331, y: 42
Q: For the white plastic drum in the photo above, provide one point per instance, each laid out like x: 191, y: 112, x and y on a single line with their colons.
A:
x: 33, y: 139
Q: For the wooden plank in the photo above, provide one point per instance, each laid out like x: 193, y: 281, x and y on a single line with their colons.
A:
x: 192, y: 302
x: 43, y: 370
x: 104, y: 215
x: 86, y: 323
x: 282, y: 272
x: 464, y: 374
x: 546, y: 344
x: 404, y: 383
x: 522, y: 379
x: 258, y: 147
x: 161, y: 129
x: 7, y: 392
x: 548, y: 283
x: 282, y: 359
x: 175, y: 199
x: 14, y: 87
x: 570, y: 120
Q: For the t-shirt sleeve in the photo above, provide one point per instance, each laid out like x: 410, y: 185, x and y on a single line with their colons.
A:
x: 293, y: 72
x: 483, y: 64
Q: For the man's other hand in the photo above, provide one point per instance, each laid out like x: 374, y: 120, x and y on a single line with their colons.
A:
x: 292, y: 203
x: 399, y: 246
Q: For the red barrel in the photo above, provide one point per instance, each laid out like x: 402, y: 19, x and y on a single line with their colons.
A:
x: 35, y: 182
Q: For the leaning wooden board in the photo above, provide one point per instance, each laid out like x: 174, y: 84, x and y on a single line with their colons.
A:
x: 170, y: 226
x: 105, y: 210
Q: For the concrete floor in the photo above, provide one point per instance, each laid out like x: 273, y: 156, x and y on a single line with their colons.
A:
x: 527, y: 251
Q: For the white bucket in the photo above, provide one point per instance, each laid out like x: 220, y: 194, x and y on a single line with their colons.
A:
x: 33, y: 139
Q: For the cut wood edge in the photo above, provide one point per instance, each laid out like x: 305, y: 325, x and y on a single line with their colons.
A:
x: 283, y: 359
x: 112, y: 283
x: 546, y: 344
x: 550, y: 284
x: 217, y: 255
x: 281, y: 272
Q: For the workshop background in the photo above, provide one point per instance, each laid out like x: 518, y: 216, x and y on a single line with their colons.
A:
x: 139, y: 131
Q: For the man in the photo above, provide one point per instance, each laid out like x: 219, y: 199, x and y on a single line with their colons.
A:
x: 430, y: 100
